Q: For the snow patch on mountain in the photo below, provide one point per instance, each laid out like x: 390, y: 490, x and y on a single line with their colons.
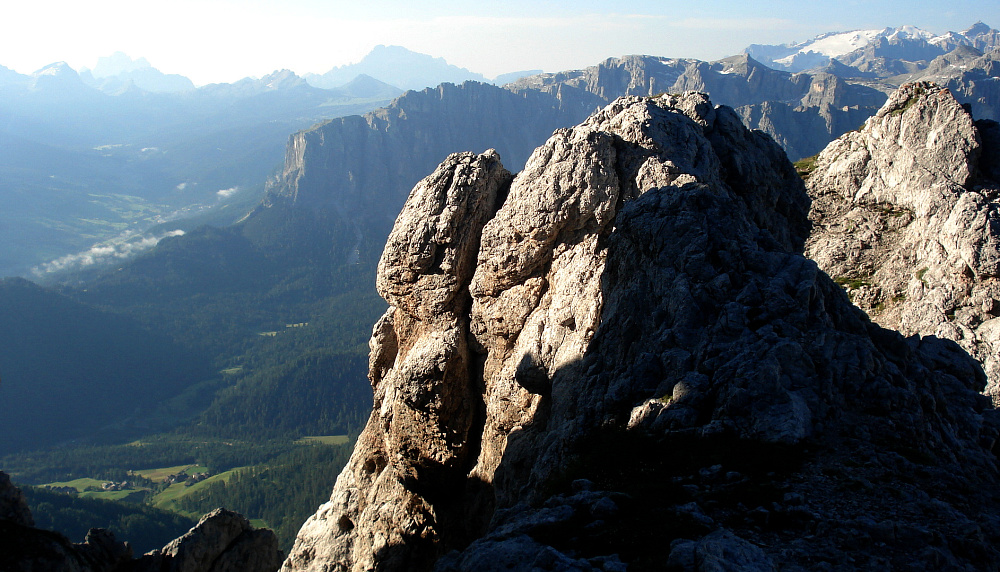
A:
x: 800, y: 56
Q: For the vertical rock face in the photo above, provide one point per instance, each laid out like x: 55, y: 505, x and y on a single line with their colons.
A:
x: 394, y: 505
x: 906, y: 217
x: 639, y: 354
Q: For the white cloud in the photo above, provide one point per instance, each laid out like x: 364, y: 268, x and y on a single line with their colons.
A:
x: 124, y: 246
x: 181, y: 186
x: 226, y: 193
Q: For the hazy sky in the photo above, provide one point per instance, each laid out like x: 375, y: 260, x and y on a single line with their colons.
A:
x: 225, y: 40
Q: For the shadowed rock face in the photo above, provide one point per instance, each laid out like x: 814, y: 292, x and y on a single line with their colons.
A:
x: 13, y: 505
x: 906, y: 216
x: 641, y: 354
x: 23, y: 547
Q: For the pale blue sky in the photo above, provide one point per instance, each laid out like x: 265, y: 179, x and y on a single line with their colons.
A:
x: 224, y: 40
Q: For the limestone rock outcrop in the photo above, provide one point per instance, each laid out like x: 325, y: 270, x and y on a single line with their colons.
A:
x: 419, y: 443
x: 641, y: 357
x: 222, y: 541
x: 906, y: 217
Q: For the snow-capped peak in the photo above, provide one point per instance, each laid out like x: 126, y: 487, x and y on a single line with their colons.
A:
x: 56, y: 69
x: 821, y: 49
x: 839, y: 43
x: 910, y: 33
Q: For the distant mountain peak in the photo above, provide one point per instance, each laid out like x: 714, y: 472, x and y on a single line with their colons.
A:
x: 399, y: 67
x: 282, y: 79
x: 58, y: 76
x: 117, y: 64
x: 55, y: 69
x: 977, y: 29
x: 119, y: 73
x: 365, y: 85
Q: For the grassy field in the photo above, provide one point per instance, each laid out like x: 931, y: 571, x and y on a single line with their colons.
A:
x: 113, y: 495
x: 324, y: 440
x: 167, y: 499
x: 79, y: 484
x: 157, y: 475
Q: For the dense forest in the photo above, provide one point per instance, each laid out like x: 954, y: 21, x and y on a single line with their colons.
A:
x: 70, y: 370
x: 144, y: 527
x: 277, y: 361
x: 283, y: 492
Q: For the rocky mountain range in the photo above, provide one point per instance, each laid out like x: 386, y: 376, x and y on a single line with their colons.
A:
x: 627, y: 346
x: 623, y: 348
x: 118, y: 72
x: 362, y: 167
x: 397, y: 66
x: 874, y: 53
x: 165, y: 167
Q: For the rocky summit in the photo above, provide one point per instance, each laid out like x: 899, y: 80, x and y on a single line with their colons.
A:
x: 906, y: 217
x: 621, y: 359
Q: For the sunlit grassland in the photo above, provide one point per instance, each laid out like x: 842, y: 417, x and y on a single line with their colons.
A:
x: 167, y: 499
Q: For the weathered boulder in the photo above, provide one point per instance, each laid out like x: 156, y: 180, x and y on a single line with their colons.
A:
x: 642, y: 355
x: 222, y: 541
x: 906, y: 217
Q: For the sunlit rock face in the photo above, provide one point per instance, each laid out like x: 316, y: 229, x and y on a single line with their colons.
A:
x: 906, y: 216
x: 621, y: 358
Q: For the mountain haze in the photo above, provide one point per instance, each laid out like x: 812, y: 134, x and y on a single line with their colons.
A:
x: 80, y: 165
x: 399, y: 67
x: 118, y: 72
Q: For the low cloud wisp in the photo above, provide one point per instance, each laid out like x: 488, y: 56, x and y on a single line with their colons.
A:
x: 122, y: 247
